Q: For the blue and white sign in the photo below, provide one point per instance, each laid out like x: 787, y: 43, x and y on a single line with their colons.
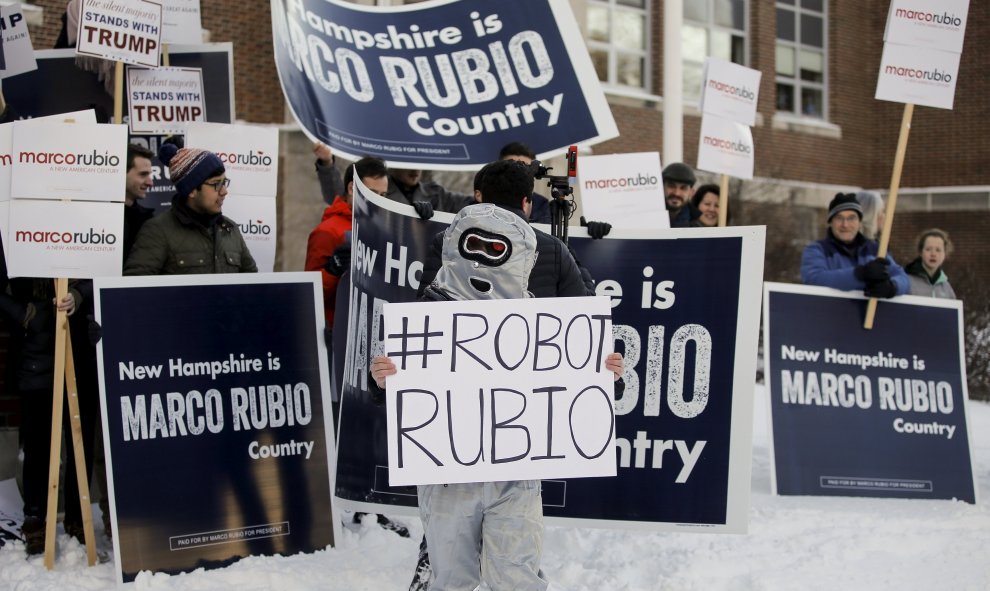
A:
x: 685, y: 313
x: 442, y: 84
x: 218, y: 441
x: 872, y: 413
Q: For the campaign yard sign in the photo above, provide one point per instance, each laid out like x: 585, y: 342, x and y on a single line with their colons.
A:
x: 66, y: 189
x: 922, y: 23
x: 80, y: 239
x: 625, y: 189
x: 128, y: 31
x: 917, y: 75
x: 873, y: 413
x: 56, y: 160
x: 182, y: 22
x: 7, y: 163
x: 499, y: 390
x: 218, y: 441
x: 16, y: 52
x: 248, y: 152
x: 164, y: 101
x: 726, y: 147
x: 440, y: 85
x: 685, y: 313
x: 730, y: 91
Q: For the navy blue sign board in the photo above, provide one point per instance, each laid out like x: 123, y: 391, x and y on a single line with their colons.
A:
x: 686, y: 317
x: 871, y: 413
x: 216, y: 419
x: 43, y: 92
x: 442, y: 84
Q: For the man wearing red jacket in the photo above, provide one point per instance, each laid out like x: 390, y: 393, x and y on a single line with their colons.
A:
x: 329, y: 249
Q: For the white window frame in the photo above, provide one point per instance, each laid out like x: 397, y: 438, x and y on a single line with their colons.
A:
x: 613, y: 51
x: 711, y: 26
x: 796, y: 82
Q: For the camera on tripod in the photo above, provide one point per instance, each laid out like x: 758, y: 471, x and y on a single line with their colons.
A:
x: 561, y: 207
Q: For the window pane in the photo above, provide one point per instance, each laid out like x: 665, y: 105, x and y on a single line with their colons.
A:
x: 785, y: 61
x: 630, y: 70
x: 739, y: 50
x: 730, y: 13
x: 811, y: 102
x: 721, y: 45
x: 812, y: 66
x: 599, y: 57
x: 696, y: 10
x: 788, y: 2
x: 629, y: 30
x: 635, y: 3
x: 785, y: 97
x: 694, y: 43
x: 598, y: 23
x: 692, y: 81
x: 816, y: 5
x: 785, y: 25
x: 812, y: 30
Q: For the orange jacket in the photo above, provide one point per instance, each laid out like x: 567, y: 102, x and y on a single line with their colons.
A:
x: 323, y: 240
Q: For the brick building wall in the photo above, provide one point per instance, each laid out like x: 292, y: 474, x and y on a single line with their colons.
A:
x: 856, y: 148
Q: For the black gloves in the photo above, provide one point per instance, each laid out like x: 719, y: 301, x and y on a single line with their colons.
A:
x: 881, y: 289
x: 340, y: 261
x: 424, y: 209
x: 93, y: 330
x: 597, y: 230
x: 873, y: 272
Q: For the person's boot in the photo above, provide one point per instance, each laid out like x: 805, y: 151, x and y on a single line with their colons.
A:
x: 75, y: 530
x: 33, y: 530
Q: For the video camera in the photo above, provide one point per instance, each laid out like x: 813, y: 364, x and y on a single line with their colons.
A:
x: 562, y: 204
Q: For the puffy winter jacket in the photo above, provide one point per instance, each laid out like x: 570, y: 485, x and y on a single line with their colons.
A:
x: 174, y: 243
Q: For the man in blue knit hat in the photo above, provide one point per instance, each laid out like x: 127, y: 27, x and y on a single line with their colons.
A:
x: 193, y: 236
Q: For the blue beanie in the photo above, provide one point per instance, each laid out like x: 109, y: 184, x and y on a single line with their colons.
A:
x: 188, y: 168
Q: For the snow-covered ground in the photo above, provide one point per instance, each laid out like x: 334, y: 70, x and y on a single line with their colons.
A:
x: 805, y: 543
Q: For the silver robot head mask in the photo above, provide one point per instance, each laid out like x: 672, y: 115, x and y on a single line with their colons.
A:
x: 488, y: 254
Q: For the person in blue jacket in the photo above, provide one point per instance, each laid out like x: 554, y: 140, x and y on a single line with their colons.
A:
x: 847, y: 260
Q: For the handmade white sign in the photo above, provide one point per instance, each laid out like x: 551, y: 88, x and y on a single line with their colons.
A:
x: 129, y: 31
x: 55, y: 160
x: 182, y: 22
x: 933, y: 25
x: 256, y: 218
x: 726, y: 147
x: 80, y: 239
x: 917, y: 75
x: 626, y: 190
x: 730, y: 91
x: 16, y: 52
x: 164, y: 101
x: 249, y: 153
x: 499, y: 390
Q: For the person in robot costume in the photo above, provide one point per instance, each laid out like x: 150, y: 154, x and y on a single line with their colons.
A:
x: 487, y: 254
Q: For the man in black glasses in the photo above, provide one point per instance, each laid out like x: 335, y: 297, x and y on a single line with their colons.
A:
x: 193, y: 236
